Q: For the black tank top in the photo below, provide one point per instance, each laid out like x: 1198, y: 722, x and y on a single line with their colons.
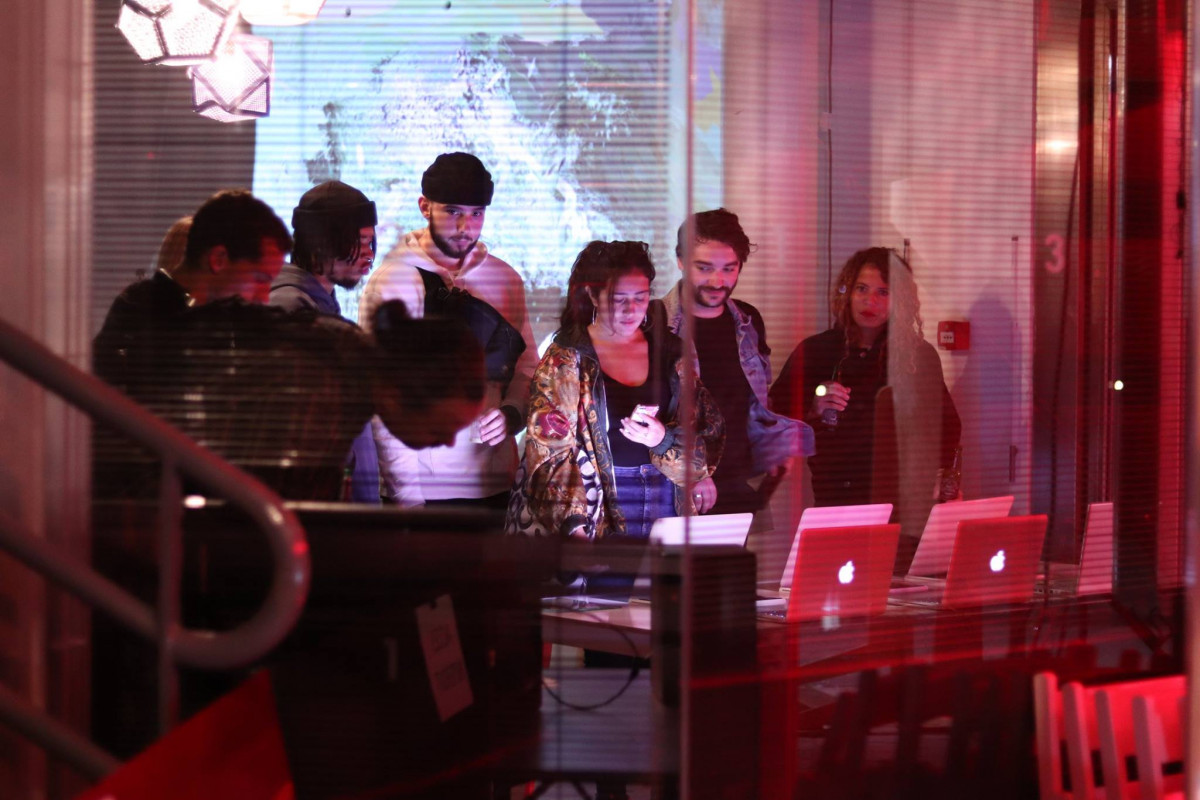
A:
x: 619, y: 402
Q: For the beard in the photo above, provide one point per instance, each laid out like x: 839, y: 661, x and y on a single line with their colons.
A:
x: 348, y: 281
x: 449, y: 248
x: 702, y: 299
x: 344, y: 274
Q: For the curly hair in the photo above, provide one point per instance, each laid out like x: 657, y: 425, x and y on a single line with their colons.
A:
x: 435, y: 358
x: 597, y: 267
x: 904, y: 319
x: 174, y: 243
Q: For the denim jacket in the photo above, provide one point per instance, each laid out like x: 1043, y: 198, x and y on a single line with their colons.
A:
x: 773, y: 437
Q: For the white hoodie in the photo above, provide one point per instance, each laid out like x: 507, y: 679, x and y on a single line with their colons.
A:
x: 467, y: 469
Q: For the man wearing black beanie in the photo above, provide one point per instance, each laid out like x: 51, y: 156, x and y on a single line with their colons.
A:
x: 478, y: 468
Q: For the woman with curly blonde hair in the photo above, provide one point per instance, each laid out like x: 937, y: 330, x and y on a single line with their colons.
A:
x: 872, y: 388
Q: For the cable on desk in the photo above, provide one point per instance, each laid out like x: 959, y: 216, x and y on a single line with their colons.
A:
x: 634, y: 670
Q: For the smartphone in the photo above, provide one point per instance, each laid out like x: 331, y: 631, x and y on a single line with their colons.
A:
x: 649, y: 411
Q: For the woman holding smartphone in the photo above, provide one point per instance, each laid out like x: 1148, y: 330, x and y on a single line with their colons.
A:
x: 604, y: 447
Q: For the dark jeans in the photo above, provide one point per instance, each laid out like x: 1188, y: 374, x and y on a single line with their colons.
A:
x: 644, y: 494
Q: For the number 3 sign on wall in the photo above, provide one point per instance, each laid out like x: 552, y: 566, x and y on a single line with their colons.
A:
x: 1057, y: 260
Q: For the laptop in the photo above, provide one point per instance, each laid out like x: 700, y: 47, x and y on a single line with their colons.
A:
x: 1096, y: 554
x: 584, y: 595
x: 841, y: 572
x: 731, y: 529
x: 832, y: 517
x: 609, y: 590
x: 1093, y: 573
x: 932, y: 558
x: 617, y: 571
x: 994, y: 561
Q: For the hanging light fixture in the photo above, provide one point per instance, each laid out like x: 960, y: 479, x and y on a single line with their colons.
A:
x: 177, y: 32
x: 280, y: 12
x: 236, y: 85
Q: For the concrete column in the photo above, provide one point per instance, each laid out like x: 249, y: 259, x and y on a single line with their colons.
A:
x: 45, y: 179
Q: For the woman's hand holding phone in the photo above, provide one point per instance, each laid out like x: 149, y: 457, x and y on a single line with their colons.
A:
x: 643, y: 427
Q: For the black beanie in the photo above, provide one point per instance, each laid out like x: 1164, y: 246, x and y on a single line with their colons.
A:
x: 332, y: 205
x: 457, y: 179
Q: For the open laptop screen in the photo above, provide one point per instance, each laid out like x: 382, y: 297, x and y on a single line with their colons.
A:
x: 1096, y: 556
x: 730, y: 529
x: 832, y: 517
x: 932, y: 558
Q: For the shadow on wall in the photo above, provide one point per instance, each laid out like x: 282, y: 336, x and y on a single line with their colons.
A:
x: 988, y: 396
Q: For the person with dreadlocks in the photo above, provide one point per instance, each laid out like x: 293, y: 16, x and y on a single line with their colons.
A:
x: 334, y: 229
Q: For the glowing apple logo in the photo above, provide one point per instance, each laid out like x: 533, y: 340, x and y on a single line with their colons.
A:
x: 997, y: 561
x: 846, y: 572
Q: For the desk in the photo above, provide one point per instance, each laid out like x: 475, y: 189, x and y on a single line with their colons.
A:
x: 972, y: 665
x: 624, y: 630
x: 802, y: 668
x: 905, y: 634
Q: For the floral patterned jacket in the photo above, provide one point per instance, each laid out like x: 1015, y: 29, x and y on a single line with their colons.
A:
x: 568, y: 413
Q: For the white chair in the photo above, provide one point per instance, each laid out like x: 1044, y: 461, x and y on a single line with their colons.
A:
x: 1158, y: 730
x: 1050, y: 734
x: 1118, y: 741
x: 1064, y: 720
x: 1082, y: 738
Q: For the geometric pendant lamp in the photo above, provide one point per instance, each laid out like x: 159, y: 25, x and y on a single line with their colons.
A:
x: 177, y: 32
x: 236, y: 85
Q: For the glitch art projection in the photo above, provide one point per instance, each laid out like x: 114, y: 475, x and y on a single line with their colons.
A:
x: 571, y: 105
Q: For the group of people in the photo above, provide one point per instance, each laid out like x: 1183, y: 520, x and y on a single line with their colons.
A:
x: 421, y: 402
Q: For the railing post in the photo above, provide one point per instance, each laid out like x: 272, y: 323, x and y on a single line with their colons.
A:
x: 170, y: 572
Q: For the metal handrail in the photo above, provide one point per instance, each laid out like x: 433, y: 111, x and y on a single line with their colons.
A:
x: 196, y: 648
x: 55, y: 737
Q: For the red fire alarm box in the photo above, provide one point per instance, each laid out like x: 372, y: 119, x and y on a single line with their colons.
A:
x: 954, y: 335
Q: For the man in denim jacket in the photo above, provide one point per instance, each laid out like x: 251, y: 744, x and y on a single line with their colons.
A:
x: 734, y: 358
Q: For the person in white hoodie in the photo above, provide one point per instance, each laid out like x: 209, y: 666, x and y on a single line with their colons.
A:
x: 478, y: 469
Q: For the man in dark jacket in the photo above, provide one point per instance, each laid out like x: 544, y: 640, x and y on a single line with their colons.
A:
x: 235, y: 248
x: 334, y: 225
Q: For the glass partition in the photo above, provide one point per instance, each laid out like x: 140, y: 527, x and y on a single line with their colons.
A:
x: 947, y: 333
